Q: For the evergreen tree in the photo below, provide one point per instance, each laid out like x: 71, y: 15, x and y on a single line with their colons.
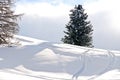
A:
x: 79, y: 31
x: 8, y: 21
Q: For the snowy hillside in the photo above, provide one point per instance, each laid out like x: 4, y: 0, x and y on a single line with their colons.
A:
x: 43, y: 60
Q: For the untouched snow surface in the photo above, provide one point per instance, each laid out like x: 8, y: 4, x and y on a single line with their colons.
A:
x: 42, y: 60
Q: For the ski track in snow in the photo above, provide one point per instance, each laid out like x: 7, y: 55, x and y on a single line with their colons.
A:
x: 82, y: 57
x: 111, y: 61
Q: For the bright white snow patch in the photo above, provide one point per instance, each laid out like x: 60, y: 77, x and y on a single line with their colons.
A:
x: 42, y: 60
x: 1, y: 59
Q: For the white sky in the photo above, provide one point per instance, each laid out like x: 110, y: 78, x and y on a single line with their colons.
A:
x: 44, y: 9
x: 49, y: 19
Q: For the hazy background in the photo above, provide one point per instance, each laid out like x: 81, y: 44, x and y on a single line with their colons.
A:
x: 46, y: 19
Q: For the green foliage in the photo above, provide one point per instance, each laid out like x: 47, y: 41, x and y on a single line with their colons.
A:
x: 79, y: 31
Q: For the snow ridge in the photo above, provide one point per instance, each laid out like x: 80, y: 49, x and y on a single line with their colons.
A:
x: 42, y: 60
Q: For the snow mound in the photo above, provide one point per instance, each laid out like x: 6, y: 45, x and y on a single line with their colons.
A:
x: 43, y: 60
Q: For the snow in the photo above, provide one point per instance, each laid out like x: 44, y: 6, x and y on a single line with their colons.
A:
x: 42, y: 60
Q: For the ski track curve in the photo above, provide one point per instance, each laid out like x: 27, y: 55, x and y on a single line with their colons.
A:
x: 82, y: 57
x: 111, y: 61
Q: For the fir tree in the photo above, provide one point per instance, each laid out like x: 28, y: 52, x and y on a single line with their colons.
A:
x: 8, y: 21
x: 79, y: 30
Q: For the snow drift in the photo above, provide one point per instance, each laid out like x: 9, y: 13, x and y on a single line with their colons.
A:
x: 43, y: 60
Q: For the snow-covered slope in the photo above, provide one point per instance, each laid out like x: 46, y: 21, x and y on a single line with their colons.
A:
x: 43, y: 60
